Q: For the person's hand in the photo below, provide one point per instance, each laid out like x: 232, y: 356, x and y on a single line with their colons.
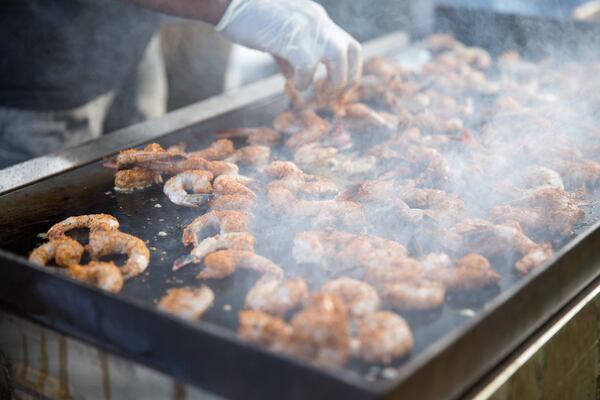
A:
x: 300, y: 33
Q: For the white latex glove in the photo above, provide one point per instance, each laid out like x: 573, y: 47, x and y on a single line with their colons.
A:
x: 299, y: 32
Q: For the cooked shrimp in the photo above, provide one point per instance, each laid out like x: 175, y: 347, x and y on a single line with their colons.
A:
x: 217, y: 151
x: 187, y: 302
x: 186, y: 163
x: 471, y: 272
x: 232, y: 185
x: 362, y: 117
x: 413, y: 295
x: 280, y: 169
x: 492, y: 240
x: 392, y: 270
x: 105, y: 275
x: 360, y: 298
x: 320, y: 331
x: 254, y: 136
x: 224, y: 221
x: 267, y: 330
x: 344, y: 249
x: 313, y: 128
x: 151, y: 153
x: 383, y: 336
x: 128, y: 180
x: 255, y: 155
x: 62, y: 249
x: 103, y: 243
x: 223, y: 263
x: 276, y: 296
x: 233, y: 241
x: 305, y: 184
x: 93, y: 222
x: 195, y: 181
x: 234, y: 202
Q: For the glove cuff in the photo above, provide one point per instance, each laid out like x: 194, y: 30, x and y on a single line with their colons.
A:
x: 234, y: 8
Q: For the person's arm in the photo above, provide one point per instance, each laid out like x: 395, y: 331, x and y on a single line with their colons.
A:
x: 298, y: 32
x: 210, y: 11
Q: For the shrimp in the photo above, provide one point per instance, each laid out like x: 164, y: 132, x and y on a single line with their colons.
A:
x: 232, y: 185
x: 223, y: 263
x: 280, y: 169
x: 383, y: 336
x: 128, y: 180
x: 348, y: 250
x: 62, y: 249
x: 313, y: 128
x: 151, y: 153
x: 196, y: 181
x: 225, y: 221
x: 233, y: 241
x: 254, y: 136
x: 413, y: 295
x: 267, y: 330
x: 103, y: 243
x: 362, y: 117
x: 321, y: 213
x: 93, y: 222
x: 275, y: 296
x: 389, y: 270
x: 217, y: 151
x: 105, y: 275
x: 255, y: 155
x: 231, y: 193
x: 360, y: 298
x: 186, y: 163
x: 534, y: 258
x: 320, y: 331
x: 189, y: 303
x: 471, y: 272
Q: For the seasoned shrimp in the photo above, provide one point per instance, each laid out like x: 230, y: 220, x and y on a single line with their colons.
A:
x: 186, y: 163
x: 103, y: 243
x: 151, y: 153
x: 347, y: 250
x: 267, y: 330
x: 470, y: 272
x: 413, y: 295
x: 234, y: 202
x: 189, y: 303
x: 383, y: 336
x: 360, y: 298
x: 224, y: 221
x: 105, y: 275
x: 254, y: 136
x: 62, y: 249
x: 255, y: 155
x: 313, y: 128
x: 93, y: 222
x: 320, y: 331
x: 232, y: 185
x: 195, y: 181
x: 233, y: 241
x: 276, y: 296
x: 128, y: 180
x: 217, y: 151
x: 363, y: 118
x: 223, y: 263
x: 280, y: 169
x: 388, y: 270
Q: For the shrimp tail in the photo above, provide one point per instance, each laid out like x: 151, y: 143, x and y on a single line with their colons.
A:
x: 183, y: 261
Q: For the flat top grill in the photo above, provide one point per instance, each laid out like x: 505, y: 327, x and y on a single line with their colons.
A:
x: 440, y: 336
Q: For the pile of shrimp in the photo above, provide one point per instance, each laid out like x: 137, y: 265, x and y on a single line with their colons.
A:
x: 418, y: 184
x: 104, y: 239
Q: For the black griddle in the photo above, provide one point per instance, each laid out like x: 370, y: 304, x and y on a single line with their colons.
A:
x: 452, y: 350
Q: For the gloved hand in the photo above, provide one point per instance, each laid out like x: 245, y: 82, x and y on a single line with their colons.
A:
x: 299, y: 32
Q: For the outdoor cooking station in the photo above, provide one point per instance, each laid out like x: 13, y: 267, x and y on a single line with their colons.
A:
x: 454, y: 355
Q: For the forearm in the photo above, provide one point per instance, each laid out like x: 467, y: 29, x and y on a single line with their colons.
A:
x: 209, y: 11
